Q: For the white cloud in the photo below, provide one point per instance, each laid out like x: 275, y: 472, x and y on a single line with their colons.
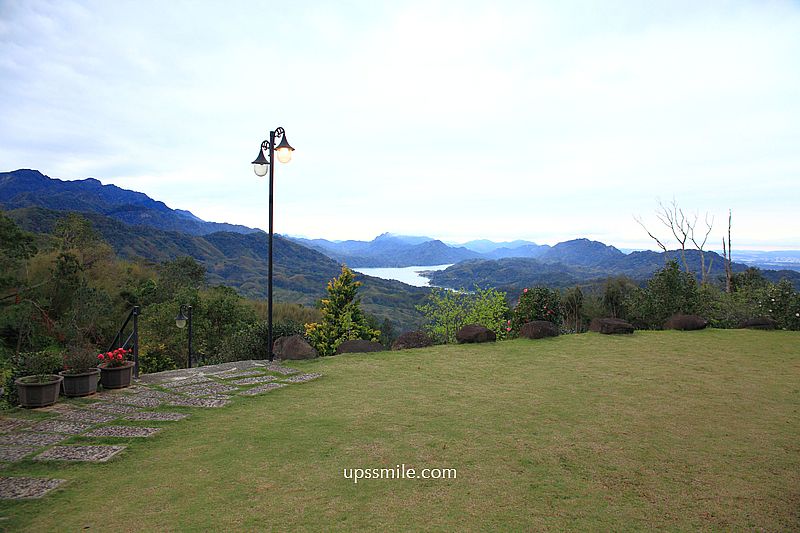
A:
x: 505, y: 120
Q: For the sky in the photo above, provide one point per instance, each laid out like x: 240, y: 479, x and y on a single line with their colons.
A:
x: 457, y: 120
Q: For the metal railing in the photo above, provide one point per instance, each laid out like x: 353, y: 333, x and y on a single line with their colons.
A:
x: 132, y: 340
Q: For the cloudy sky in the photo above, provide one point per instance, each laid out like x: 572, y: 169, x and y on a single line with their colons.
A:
x: 457, y: 120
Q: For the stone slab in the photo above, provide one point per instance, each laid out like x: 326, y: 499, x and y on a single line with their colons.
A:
x: 96, y: 454
x: 111, y: 407
x: 206, y: 389
x: 12, y: 424
x: 199, y: 402
x: 140, y: 400
x: 157, y: 416
x: 178, y: 383
x: 302, y: 378
x: 284, y: 370
x: 254, y: 380
x: 60, y: 426
x: 123, y: 431
x: 83, y: 415
x: 31, y: 439
x: 15, y: 453
x: 18, y: 488
x: 261, y: 389
x: 239, y: 374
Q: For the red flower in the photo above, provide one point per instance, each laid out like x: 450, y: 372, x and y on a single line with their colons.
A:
x: 100, y: 356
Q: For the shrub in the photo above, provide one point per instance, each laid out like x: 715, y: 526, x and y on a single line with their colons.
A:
x: 448, y: 311
x: 155, y: 358
x: 538, y: 303
x: 670, y: 291
x: 342, y: 318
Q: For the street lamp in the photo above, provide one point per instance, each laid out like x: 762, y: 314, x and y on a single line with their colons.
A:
x: 181, y: 320
x: 263, y: 164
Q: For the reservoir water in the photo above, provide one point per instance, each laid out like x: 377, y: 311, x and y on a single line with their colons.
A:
x: 409, y: 275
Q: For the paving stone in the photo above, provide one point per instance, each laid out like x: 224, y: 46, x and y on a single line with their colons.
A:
x: 98, y: 454
x: 112, y: 407
x: 15, y: 453
x: 11, y: 424
x: 123, y: 431
x: 60, y: 426
x: 302, y: 378
x: 17, y: 488
x: 286, y: 371
x: 184, y: 382
x: 83, y: 415
x: 206, y: 389
x: 31, y: 439
x: 262, y: 389
x: 254, y: 380
x: 141, y: 401
x: 199, y: 402
x: 240, y: 374
x: 151, y: 393
x: 160, y: 416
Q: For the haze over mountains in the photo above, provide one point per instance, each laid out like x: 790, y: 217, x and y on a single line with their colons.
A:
x: 138, y: 226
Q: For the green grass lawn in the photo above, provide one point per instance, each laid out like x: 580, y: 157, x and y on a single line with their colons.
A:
x: 670, y: 430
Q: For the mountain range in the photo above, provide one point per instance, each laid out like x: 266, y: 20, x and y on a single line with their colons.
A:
x: 158, y: 233
x: 139, y: 227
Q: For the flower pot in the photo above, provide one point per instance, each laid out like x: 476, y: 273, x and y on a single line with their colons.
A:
x: 116, y: 377
x: 82, y: 384
x: 38, y: 394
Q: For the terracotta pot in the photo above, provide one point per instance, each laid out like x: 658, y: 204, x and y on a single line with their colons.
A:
x: 82, y: 384
x: 34, y: 394
x: 116, y: 377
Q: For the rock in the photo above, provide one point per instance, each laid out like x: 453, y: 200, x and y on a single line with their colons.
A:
x: 610, y: 326
x: 359, y: 346
x: 538, y: 329
x: 475, y: 333
x: 294, y: 347
x: 685, y: 322
x: 412, y: 339
x: 761, y: 322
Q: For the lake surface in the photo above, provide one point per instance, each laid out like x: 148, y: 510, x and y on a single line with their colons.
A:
x: 409, y: 275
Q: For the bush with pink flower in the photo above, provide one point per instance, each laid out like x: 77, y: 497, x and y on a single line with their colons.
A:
x: 114, y: 358
x: 537, y: 303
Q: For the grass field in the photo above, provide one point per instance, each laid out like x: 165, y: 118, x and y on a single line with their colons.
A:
x: 672, y: 430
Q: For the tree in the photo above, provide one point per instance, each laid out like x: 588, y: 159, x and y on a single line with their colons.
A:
x: 448, y: 311
x: 726, y: 254
x: 342, y: 318
x: 572, y: 304
x: 683, y: 229
x: 668, y: 292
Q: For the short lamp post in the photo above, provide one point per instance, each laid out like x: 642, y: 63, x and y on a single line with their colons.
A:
x: 263, y: 164
x: 184, y: 317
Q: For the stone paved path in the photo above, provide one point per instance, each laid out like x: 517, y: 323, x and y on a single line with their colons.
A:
x: 108, y: 414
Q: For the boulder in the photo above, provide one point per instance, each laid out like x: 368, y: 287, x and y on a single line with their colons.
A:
x: 293, y: 347
x: 761, y: 322
x: 475, y: 333
x: 412, y: 339
x: 359, y: 346
x: 685, y: 322
x: 610, y: 326
x: 538, y: 329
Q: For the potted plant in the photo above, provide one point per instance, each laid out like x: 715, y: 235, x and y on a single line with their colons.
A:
x: 80, y: 373
x: 39, y: 386
x: 116, y: 370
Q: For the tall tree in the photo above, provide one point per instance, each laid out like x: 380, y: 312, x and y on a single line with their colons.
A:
x: 342, y: 318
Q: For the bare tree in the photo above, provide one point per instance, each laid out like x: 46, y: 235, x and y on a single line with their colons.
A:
x: 726, y: 254
x: 660, y: 244
x: 674, y: 219
x: 709, y: 225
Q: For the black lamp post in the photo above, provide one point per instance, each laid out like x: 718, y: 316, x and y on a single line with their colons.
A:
x: 181, y: 320
x: 262, y: 164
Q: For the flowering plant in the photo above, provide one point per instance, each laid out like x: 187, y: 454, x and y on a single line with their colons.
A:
x: 114, y: 358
